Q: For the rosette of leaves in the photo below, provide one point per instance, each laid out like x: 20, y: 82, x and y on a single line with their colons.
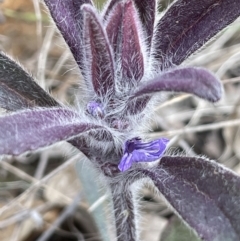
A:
x: 128, y: 59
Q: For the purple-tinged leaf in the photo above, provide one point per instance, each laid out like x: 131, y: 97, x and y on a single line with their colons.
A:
x: 102, y: 138
x: 205, y: 194
x: 109, y: 8
x: 137, y: 105
x: 68, y: 17
x: 137, y: 151
x: 101, y: 150
x: 18, y: 90
x: 81, y: 144
x: 147, y: 12
x: 195, y: 81
x: 114, y: 28
x: 86, y: 147
x: 31, y: 129
x: 131, y: 51
x: 99, y: 54
x: 188, y: 25
x: 145, y: 8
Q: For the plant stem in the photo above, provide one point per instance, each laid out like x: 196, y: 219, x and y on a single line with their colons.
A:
x: 123, y: 211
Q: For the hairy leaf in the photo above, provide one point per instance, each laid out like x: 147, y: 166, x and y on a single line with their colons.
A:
x: 68, y: 17
x: 195, y: 81
x: 131, y: 51
x: 205, y: 194
x: 99, y: 54
x: 188, y: 25
x: 18, y: 90
x: 137, y: 105
x: 109, y: 7
x: 114, y: 28
x: 147, y: 12
x: 31, y: 129
x: 81, y: 144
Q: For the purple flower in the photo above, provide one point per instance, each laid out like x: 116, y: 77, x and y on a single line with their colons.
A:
x: 127, y: 58
x: 95, y: 109
x: 137, y: 151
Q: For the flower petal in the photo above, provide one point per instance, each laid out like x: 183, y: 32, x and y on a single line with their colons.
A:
x: 31, y: 129
x: 125, y: 163
x: 188, y: 25
x: 99, y: 56
x: 68, y: 17
x: 138, y: 151
x: 196, y: 81
x: 18, y: 89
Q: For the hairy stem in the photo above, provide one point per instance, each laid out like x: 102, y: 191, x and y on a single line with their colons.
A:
x: 122, y: 201
x: 123, y: 211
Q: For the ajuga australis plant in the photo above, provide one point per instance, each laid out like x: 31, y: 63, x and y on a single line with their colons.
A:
x: 129, y: 61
